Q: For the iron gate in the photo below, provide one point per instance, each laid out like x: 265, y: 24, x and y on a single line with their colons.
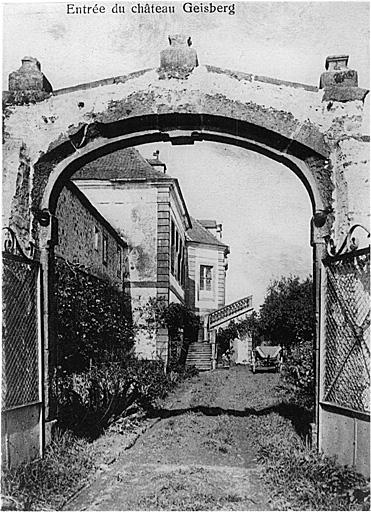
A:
x: 346, y: 357
x: 21, y: 330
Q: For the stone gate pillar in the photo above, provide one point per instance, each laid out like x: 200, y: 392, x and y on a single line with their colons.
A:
x: 341, y: 428
x: 48, y: 239
x: 319, y: 233
x: 343, y: 111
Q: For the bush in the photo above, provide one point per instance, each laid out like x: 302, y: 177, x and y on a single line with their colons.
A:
x: 91, y: 400
x: 180, y: 321
x: 93, y: 322
x: 298, y: 374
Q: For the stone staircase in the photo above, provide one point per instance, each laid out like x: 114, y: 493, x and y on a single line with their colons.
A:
x: 199, y: 355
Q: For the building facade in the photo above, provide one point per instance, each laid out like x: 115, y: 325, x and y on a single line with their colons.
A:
x: 146, y: 207
x: 207, y: 267
x: 86, y: 239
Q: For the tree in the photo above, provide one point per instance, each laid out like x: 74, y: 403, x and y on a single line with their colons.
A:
x: 183, y: 326
x: 287, y: 314
x: 249, y: 325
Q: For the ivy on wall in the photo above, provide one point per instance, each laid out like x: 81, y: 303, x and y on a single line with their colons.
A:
x: 93, y: 320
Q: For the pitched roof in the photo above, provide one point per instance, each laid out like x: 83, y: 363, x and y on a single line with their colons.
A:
x: 201, y: 235
x: 125, y: 164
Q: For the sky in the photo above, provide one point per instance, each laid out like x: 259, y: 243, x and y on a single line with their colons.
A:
x: 264, y: 208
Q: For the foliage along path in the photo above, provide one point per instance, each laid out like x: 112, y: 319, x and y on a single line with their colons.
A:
x: 198, y: 455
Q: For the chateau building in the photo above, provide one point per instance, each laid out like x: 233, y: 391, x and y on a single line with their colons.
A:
x: 146, y: 207
x: 124, y: 219
x: 87, y: 240
x: 207, y: 266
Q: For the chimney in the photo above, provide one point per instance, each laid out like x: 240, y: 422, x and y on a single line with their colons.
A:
x: 156, y: 162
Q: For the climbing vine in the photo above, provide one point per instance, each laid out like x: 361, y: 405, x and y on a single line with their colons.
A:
x: 93, y: 320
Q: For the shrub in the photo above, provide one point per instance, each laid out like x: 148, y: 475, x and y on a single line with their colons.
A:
x: 90, y: 400
x: 93, y: 321
x: 298, y: 374
x: 180, y: 321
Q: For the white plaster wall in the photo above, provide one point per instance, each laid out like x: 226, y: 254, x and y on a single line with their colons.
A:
x: 37, y: 125
x: 172, y: 297
x: 206, y: 256
x: 242, y: 351
x: 132, y: 211
x: 61, y: 111
x: 352, y: 195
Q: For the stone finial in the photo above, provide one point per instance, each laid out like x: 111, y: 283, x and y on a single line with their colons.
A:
x: 337, y: 73
x: 29, y: 63
x: 179, y: 60
x: 29, y: 78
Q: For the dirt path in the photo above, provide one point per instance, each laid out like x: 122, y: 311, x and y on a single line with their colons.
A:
x: 196, y: 456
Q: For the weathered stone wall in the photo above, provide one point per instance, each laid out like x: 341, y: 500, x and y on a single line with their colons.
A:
x: 77, y: 222
x: 132, y: 210
x: 351, y: 164
x: 293, y: 120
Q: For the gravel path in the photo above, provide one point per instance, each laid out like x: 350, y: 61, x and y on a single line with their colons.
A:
x: 195, y: 453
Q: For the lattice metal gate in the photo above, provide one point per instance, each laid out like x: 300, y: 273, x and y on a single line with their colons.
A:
x: 345, y: 359
x: 21, y: 356
x: 347, y: 331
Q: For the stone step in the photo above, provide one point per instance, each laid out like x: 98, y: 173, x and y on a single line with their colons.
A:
x: 199, y: 355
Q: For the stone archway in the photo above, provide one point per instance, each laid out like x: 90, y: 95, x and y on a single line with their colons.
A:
x: 315, y: 132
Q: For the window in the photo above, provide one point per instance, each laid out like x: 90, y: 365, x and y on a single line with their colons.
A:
x: 183, y: 279
x: 119, y: 261
x: 179, y: 269
x: 96, y: 238
x: 172, y: 250
x: 104, y: 249
x: 205, y: 278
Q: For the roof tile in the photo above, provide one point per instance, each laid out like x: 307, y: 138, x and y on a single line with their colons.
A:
x: 125, y: 164
x: 201, y: 235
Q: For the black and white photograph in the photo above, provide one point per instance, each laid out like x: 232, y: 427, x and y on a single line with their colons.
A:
x: 185, y: 255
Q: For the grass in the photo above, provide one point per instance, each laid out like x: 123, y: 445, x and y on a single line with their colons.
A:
x: 187, y: 489
x: 298, y: 477
x: 295, y: 476
x: 45, y: 484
